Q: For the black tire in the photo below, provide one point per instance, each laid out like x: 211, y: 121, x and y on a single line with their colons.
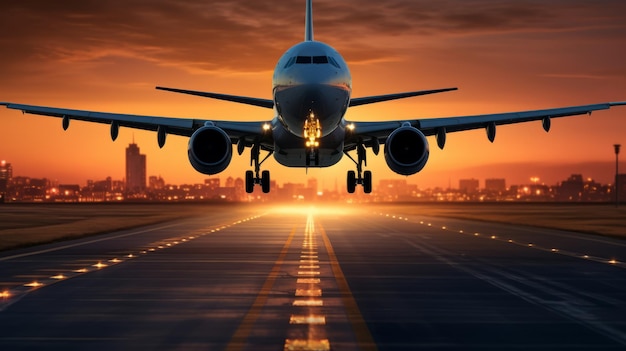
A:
x: 351, y: 181
x: 249, y: 182
x: 265, y: 181
x: 367, y: 182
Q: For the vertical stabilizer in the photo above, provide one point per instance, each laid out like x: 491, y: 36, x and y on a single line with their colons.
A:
x: 308, y: 23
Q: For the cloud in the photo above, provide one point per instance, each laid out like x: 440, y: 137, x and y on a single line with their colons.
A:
x: 237, y: 35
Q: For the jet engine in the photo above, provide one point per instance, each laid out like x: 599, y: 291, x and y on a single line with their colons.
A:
x: 210, y: 150
x: 406, y: 150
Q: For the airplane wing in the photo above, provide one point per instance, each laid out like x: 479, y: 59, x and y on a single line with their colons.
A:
x: 234, y: 98
x: 381, y: 98
x: 368, y: 131
x: 165, y: 125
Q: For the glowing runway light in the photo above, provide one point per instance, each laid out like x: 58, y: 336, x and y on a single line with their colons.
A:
x: 555, y: 250
x: 130, y: 256
x: 613, y: 261
x: 82, y: 270
x: 115, y: 260
x: 6, y: 294
x: 34, y: 284
x: 58, y: 277
x: 100, y: 265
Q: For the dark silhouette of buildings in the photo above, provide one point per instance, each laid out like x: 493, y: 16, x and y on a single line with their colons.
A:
x: 135, y: 170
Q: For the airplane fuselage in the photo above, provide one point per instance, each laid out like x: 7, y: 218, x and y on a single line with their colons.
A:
x: 311, y: 90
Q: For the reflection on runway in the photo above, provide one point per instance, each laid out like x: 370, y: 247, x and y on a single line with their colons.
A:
x: 306, y: 278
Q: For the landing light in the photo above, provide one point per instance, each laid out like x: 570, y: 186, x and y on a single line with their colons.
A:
x: 266, y: 127
x: 351, y: 126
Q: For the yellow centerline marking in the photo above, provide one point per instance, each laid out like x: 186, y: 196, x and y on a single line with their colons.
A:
x: 362, y: 333
x: 238, y: 341
x: 308, y: 303
x: 308, y: 319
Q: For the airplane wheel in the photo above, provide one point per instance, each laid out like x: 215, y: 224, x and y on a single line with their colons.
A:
x: 367, y: 182
x: 265, y: 181
x: 351, y: 181
x: 249, y: 182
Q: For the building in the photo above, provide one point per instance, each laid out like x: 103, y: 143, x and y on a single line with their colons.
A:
x: 496, y: 185
x: 135, y: 170
x: 468, y: 186
x: 571, y: 189
x: 6, y: 173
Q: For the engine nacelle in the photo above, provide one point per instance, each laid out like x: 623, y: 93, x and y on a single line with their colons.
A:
x: 210, y: 150
x: 406, y: 150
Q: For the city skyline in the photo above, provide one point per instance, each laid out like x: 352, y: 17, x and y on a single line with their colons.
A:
x: 557, y: 54
x: 575, y: 188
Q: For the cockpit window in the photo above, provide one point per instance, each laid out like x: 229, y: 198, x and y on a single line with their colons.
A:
x: 303, y: 59
x: 290, y: 62
x: 311, y: 59
x: 320, y: 59
x: 333, y: 62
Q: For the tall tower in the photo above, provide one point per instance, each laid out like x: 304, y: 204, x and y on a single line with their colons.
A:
x: 6, y: 173
x: 135, y: 170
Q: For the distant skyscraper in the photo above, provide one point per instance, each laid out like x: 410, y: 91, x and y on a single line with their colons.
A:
x: 495, y: 184
x: 6, y: 173
x: 469, y: 186
x: 135, y: 169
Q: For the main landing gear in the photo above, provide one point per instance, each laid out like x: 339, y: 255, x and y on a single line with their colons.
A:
x: 253, y: 178
x: 359, y: 177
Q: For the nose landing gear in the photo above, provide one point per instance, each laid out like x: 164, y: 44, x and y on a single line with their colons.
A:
x: 359, y: 177
x: 312, y: 132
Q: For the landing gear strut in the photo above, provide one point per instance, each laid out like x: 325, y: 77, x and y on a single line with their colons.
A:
x: 359, y: 177
x: 257, y: 177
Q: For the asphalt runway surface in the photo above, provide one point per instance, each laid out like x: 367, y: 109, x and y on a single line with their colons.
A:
x: 304, y: 278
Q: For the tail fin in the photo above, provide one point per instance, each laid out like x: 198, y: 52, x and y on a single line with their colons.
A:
x: 308, y: 23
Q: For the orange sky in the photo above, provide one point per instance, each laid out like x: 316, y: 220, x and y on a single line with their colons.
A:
x: 503, y: 56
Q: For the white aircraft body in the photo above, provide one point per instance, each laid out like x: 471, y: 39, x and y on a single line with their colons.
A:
x: 311, y: 92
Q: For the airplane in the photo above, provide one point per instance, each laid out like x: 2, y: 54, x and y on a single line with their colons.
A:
x: 311, y: 93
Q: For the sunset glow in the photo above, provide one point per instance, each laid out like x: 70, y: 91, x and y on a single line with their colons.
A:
x: 503, y: 56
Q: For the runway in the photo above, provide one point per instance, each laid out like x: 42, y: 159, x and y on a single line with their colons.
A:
x: 317, y: 278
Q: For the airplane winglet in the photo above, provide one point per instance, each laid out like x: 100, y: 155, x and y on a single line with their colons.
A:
x: 618, y: 103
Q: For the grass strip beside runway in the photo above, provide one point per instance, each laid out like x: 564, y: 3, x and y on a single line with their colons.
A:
x: 23, y: 225
x: 600, y: 219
